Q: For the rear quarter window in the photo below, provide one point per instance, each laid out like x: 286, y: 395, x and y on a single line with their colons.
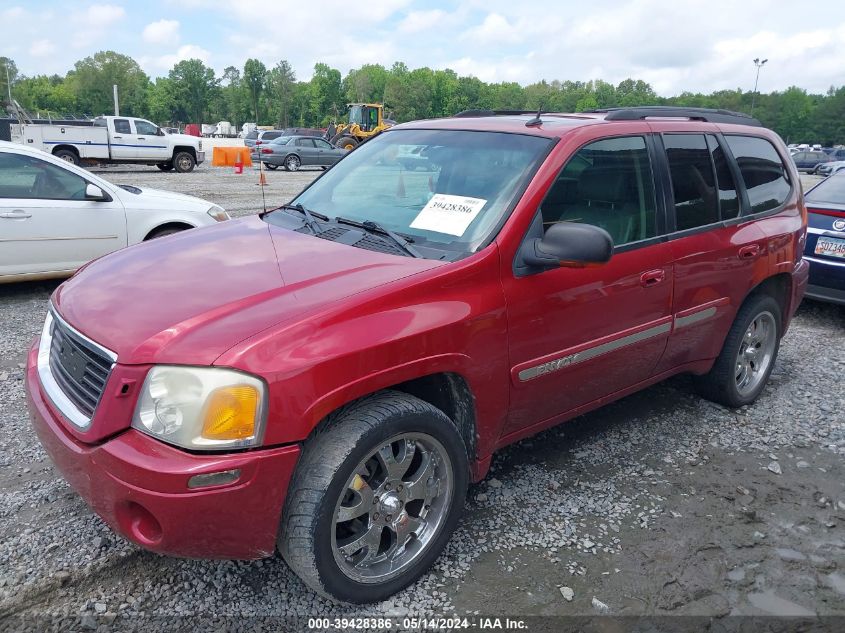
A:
x: 763, y: 172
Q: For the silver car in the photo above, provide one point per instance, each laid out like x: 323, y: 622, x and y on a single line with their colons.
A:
x: 293, y: 152
x: 827, y: 169
x: 261, y: 137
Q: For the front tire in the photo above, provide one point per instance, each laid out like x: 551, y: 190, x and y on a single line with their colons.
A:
x: 183, y: 162
x: 748, y: 355
x: 376, y: 495
x: 168, y: 166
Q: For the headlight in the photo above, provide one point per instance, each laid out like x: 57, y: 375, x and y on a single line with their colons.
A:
x: 202, y: 408
x: 218, y: 213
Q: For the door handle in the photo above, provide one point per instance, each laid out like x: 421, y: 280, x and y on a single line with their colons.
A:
x: 141, y: 138
x: 749, y: 252
x: 652, y: 278
x: 17, y: 214
x: 117, y: 137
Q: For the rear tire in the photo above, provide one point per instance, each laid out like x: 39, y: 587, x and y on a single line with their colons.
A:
x: 292, y: 162
x: 748, y: 355
x: 183, y: 162
x: 68, y: 156
x: 375, y: 498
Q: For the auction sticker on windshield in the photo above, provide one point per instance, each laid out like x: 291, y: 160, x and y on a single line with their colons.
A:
x: 448, y: 214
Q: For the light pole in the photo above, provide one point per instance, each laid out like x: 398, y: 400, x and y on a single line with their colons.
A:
x: 759, y: 63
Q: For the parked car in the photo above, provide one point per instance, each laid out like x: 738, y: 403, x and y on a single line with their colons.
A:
x: 831, y: 167
x: 809, y: 160
x: 294, y: 152
x: 55, y: 217
x: 825, y: 249
x: 835, y: 153
x: 259, y: 137
x: 332, y: 383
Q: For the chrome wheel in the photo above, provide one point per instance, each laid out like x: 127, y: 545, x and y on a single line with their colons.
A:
x: 392, y: 507
x: 755, y: 354
x: 185, y: 162
x: 292, y: 163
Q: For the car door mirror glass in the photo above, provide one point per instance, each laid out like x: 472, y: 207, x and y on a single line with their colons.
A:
x: 569, y: 244
x: 93, y: 192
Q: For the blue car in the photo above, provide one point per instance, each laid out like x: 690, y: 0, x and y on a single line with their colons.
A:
x: 825, y: 249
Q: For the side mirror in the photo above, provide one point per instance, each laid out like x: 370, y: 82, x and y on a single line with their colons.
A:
x: 159, y: 132
x: 93, y: 192
x: 569, y: 243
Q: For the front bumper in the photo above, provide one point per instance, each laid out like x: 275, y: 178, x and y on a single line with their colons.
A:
x: 200, y: 157
x: 139, y: 487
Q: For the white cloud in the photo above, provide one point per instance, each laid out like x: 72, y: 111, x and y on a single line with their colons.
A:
x: 42, y: 48
x: 161, y: 64
x: 102, y: 15
x: 417, y: 21
x: 161, y: 32
x: 495, y: 29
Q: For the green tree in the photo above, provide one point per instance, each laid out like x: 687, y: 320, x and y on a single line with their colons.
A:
x: 280, y: 83
x: 8, y: 76
x: 255, y: 76
x: 326, y: 94
x: 193, y: 88
x: 92, y: 78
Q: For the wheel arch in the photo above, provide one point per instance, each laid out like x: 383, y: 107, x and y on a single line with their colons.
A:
x: 70, y: 148
x: 448, y: 390
x: 779, y: 287
x: 183, y: 148
x: 182, y: 226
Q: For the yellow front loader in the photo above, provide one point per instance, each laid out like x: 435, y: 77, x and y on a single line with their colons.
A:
x: 365, y: 120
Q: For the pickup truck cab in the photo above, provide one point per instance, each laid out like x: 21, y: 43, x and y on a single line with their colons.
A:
x: 326, y: 378
x: 113, y: 140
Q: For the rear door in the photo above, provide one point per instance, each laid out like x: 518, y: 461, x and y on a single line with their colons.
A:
x: 46, y: 224
x: 122, y: 140
x: 720, y: 250
x: 307, y: 151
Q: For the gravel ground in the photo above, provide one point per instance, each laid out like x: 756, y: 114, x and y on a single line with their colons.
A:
x: 662, y: 503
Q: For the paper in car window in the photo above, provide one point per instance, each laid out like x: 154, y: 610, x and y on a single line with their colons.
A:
x: 448, y: 214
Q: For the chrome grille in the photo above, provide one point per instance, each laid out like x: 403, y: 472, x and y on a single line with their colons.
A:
x: 79, y: 369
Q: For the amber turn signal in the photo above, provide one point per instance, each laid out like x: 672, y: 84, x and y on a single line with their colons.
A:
x: 230, y: 413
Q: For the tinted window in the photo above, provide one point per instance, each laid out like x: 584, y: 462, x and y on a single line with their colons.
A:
x: 830, y: 190
x: 728, y: 199
x: 693, y: 180
x: 121, y: 126
x: 322, y: 144
x: 304, y: 142
x: 282, y: 140
x: 763, y: 173
x: 607, y: 184
x: 145, y: 127
x: 27, y: 177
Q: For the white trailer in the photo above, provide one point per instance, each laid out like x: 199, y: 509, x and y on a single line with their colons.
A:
x: 113, y: 140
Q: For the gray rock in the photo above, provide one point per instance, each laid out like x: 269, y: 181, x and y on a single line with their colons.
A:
x: 775, y: 468
x: 494, y: 483
x: 567, y: 593
x: 99, y: 607
x: 600, y: 606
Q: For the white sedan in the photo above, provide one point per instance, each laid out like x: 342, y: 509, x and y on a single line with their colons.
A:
x: 55, y: 217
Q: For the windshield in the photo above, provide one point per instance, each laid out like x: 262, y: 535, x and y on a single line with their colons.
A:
x: 443, y: 188
x: 356, y: 115
x: 830, y: 190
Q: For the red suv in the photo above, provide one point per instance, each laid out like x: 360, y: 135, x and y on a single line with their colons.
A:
x: 326, y: 378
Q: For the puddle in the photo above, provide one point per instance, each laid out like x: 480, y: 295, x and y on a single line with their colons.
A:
x: 769, y: 602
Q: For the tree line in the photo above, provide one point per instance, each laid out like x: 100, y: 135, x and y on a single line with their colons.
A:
x: 192, y: 92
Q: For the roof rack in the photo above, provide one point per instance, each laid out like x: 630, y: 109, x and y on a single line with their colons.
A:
x: 475, y: 113
x: 709, y: 115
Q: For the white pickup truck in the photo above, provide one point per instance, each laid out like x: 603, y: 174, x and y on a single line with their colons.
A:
x: 113, y: 139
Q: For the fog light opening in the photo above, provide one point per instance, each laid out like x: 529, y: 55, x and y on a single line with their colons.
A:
x: 141, y: 524
x: 214, y: 479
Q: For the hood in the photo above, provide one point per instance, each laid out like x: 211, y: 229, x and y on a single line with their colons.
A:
x: 158, y: 197
x: 189, y: 297
x: 187, y: 139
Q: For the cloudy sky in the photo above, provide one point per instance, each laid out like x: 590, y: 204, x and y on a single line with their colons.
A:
x: 676, y: 46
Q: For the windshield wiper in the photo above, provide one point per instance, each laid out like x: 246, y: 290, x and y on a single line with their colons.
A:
x: 375, y: 227
x: 310, y: 222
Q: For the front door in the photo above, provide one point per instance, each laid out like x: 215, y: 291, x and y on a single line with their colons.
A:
x: 150, y: 146
x: 46, y: 224
x: 577, y: 335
